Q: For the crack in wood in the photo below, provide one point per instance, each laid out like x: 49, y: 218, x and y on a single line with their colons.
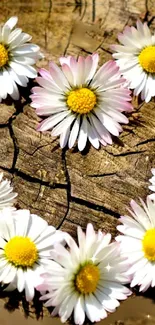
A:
x: 101, y: 175
x: 15, y: 143
x: 47, y: 22
x: 145, y: 141
x: 68, y: 188
x: 93, y: 10
x: 124, y: 154
x: 95, y: 207
x: 32, y: 179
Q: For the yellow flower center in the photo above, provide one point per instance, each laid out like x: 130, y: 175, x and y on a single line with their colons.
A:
x: 87, y: 279
x: 147, y: 59
x: 149, y: 244
x: 3, y: 55
x: 21, y: 252
x: 81, y: 100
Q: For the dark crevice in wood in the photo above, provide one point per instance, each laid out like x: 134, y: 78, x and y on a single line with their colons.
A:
x: 95, y: 206
x: 47, y: 22
x: 84, y: 11
x: 31, y: 179
x: 68, y: 42
x: 124, y: 154
x: 63, y: 156
x: 93, y: 10
x: 16, y: 148
x: 107, y: 51
x: 146, y: 141
x: 101, y: 175
x: 5, y: 125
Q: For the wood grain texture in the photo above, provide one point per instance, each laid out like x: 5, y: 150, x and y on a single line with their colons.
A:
x: 66, y: 187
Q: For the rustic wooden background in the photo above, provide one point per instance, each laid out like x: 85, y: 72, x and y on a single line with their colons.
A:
x: 66, y: 187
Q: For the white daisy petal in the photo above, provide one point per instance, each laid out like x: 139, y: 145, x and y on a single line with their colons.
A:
x: 68, y: 73
x: 14, y: 37
x: 10, y: 276
x: 80, y: 79
x: 64, y: 137
x: 94, y: 310
x: 79, y: 311
x: 63, y: 125
x: 20, y: 280
x: 16, y: 59
x: 5, y: 272
x: 92, y: 70
x: 78, y: 94
x: 93, y: 137
x: 58, y: 76
x: 7, y: 195
x: 29, y: 287
x: 11, y: 22
x: 20, y: 69
x: 101, y: 130
x: 135, y: 58
x: 138, y: 243
x: 74, y: 282
x: 52, y: 121
x: 82, y: 139
x: 152, y: 187
x: 26, y: 241
x: 74, y: 132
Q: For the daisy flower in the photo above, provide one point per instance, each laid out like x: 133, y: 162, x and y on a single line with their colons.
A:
x: 85, y: 279
x: 6, y: 193
x: 152, y: 186
x: 136, y: 59
x: 81, y: 103
x: 138, y: 243
x: 25, y: 241
x: 16, y: 59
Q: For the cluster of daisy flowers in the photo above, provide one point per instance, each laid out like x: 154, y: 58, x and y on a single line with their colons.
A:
x: 84, y: 280
x: 78, y: 102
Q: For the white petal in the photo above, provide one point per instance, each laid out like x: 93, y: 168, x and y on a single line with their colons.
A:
x: 62, y: 126
x: 20, y: 280
x: 29, y: 288
x: 20, y: 69
x: 64, y: 137
x: 79, y: 311
x: 52, y: 121
x: 82, y: 139
x: 12, y: 22
x: 74, y: 132
x: 93, y: 136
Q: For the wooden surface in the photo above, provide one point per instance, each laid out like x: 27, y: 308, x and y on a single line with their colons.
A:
x: 66, y: 187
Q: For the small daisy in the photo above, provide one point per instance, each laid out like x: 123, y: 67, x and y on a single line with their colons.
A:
x: 16, y: 59
x: 136, y: 59
x: 7, y: 195
x: 138, y: 243
x: 25, y: 241
x: 86, y: 279
x: 152, y: 186
x: 81, y: 103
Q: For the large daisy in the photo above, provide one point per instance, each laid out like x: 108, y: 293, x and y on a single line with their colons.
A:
x: 138, y: 243
x: 81, y: 103
x: 85, y: 279
x: 152, y: 186
x: 136, y: 59
x: 16, y: 59
x: 25, y: 242
x: 7, y: 195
